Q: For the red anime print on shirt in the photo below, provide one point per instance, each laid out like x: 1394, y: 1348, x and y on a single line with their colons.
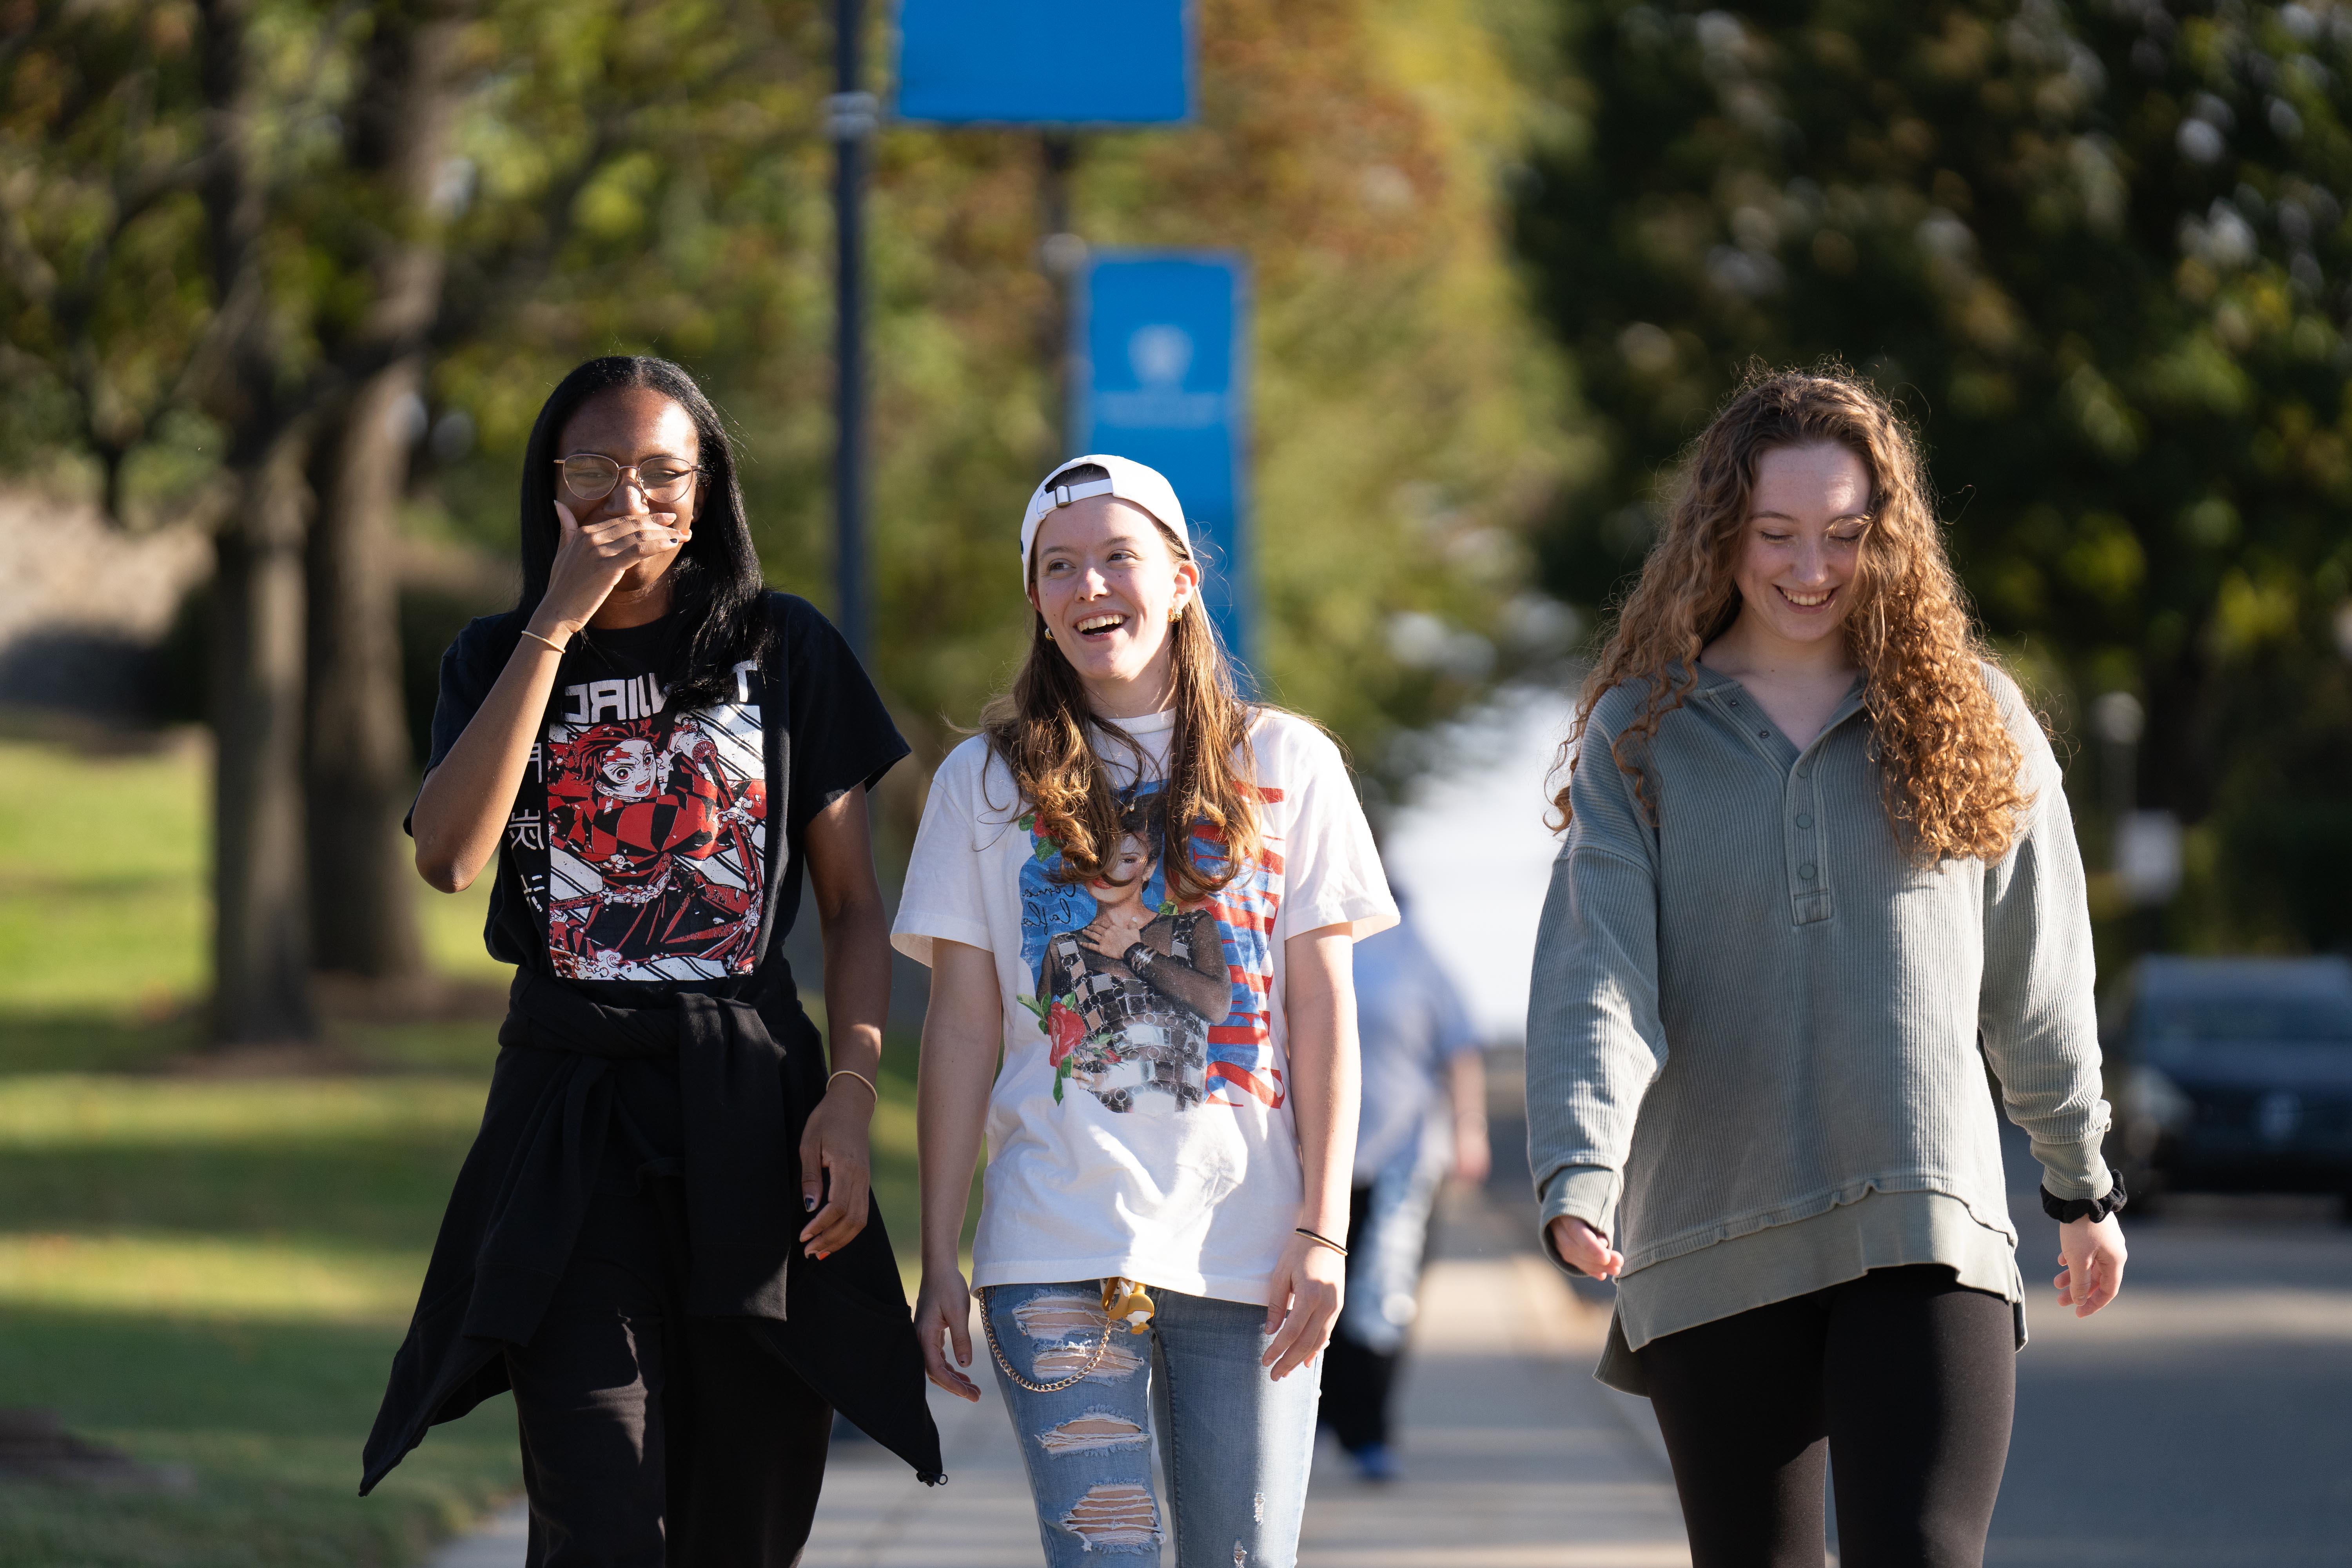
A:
x: 656, y: 826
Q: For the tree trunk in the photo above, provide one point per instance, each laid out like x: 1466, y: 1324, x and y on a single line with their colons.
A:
x: 261, y: 991
x: 260, y: 957
x: 360, y: 771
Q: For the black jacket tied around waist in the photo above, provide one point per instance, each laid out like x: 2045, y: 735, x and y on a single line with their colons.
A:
x: 515, y: 1213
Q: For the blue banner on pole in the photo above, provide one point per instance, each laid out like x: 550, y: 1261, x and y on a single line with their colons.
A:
x: 1046, y: 62
x: 1162, y: 377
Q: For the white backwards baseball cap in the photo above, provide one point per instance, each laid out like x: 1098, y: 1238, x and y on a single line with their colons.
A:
x: 1129, y: 481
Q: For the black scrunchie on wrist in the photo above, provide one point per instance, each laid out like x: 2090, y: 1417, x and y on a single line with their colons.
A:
x: 2065, y: 1210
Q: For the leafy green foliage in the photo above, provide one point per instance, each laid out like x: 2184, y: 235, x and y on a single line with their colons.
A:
x: 652, y: 175
x: 673, y: 177
x: 2100, y: 254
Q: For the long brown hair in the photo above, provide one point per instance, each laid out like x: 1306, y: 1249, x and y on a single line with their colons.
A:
x: 1950, y: 764
x: 1039, y: 729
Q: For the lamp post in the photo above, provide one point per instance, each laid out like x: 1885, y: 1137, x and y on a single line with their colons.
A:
x: 850, y: 115
x: 2145, y: 846
x: 2117, y: 718
x: 1061, y: 255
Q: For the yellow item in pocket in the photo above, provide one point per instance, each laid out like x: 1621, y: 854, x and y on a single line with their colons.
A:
x: 1124, y: 1301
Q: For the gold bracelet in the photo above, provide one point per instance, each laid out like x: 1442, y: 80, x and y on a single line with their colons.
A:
x: 550, y: 642
x: 853, y: 1072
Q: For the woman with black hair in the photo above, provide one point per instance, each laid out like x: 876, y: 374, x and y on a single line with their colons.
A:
x: 648, y: 747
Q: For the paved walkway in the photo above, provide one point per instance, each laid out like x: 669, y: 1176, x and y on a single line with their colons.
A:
x: 1514, y: 1456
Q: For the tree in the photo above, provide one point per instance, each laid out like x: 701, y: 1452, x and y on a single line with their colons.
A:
x: 383, y: 222
x: 247, y: 378
x: 2099, y: 252
x: 157, y: 280
x: 250, y: 248
x: 1408, y: 426
x: 227, y: 232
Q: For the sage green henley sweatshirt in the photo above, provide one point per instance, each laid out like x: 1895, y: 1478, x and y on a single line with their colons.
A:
x: 1756, y: 1022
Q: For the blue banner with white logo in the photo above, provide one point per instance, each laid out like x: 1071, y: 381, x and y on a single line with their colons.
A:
x: 1161, y: 376
x: 1046, y: 62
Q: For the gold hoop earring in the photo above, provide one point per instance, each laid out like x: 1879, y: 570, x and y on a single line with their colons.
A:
x: 1049, y: 633
x: 1176, y: 615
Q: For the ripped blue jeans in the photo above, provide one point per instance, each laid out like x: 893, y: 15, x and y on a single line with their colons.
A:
x: 1235, y: 1444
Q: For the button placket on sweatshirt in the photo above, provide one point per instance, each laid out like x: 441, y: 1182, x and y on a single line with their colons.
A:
x: 1804, y: 865
x: 1809, y: 897
x: 1809, y: 894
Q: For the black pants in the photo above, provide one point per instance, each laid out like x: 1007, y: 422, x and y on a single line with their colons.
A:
x: 652, y: 1438
x: 1904, y: 1378
x: 1357, y: 1382
x: 1357, y: 1379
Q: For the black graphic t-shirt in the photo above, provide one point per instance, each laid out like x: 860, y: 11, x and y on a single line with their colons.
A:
x: 652, y: 849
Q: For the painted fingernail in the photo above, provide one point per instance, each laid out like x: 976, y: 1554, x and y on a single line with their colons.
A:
x: 808, y: 1202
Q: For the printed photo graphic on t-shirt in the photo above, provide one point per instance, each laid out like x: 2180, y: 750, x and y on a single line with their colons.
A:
x: 1142, y: 1000
x: 654, y: 833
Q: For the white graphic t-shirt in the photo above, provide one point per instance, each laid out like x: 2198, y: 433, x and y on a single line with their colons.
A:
x: 1140, y: 1124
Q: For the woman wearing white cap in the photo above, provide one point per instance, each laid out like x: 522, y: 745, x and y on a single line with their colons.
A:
x: 1170, y: 1129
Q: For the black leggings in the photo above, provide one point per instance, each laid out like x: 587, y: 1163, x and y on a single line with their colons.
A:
x: 1904, y: 1378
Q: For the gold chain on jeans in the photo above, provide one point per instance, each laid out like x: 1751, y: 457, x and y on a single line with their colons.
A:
x: 988, y: 1323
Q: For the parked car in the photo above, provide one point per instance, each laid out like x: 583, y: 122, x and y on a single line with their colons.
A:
x: 2234, y: 1075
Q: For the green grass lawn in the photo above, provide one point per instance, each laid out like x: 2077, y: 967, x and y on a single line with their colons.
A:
x: 212, y: 1270
x: 214, y: 1274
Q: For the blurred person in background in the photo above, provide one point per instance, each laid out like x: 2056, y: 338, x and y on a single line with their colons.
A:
x: 1140, y: 892
x: 1423, y: 1115
x: 663, y: 1239
x: 1819, y: 873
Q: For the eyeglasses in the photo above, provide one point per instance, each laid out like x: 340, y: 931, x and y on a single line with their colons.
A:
x: 591, y: 476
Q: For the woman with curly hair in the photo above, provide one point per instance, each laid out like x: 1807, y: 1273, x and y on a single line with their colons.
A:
x: 1138, y: 892
x: 1818, y: 876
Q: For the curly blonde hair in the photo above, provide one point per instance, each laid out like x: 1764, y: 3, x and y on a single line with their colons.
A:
x: 1950, y: 766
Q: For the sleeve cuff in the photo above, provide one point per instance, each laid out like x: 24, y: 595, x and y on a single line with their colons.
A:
x: 1362, y: 917
x: 2073, y: 1170
x: 916, y: 930
x: 864, y: 773
x: 1587, y: 1192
